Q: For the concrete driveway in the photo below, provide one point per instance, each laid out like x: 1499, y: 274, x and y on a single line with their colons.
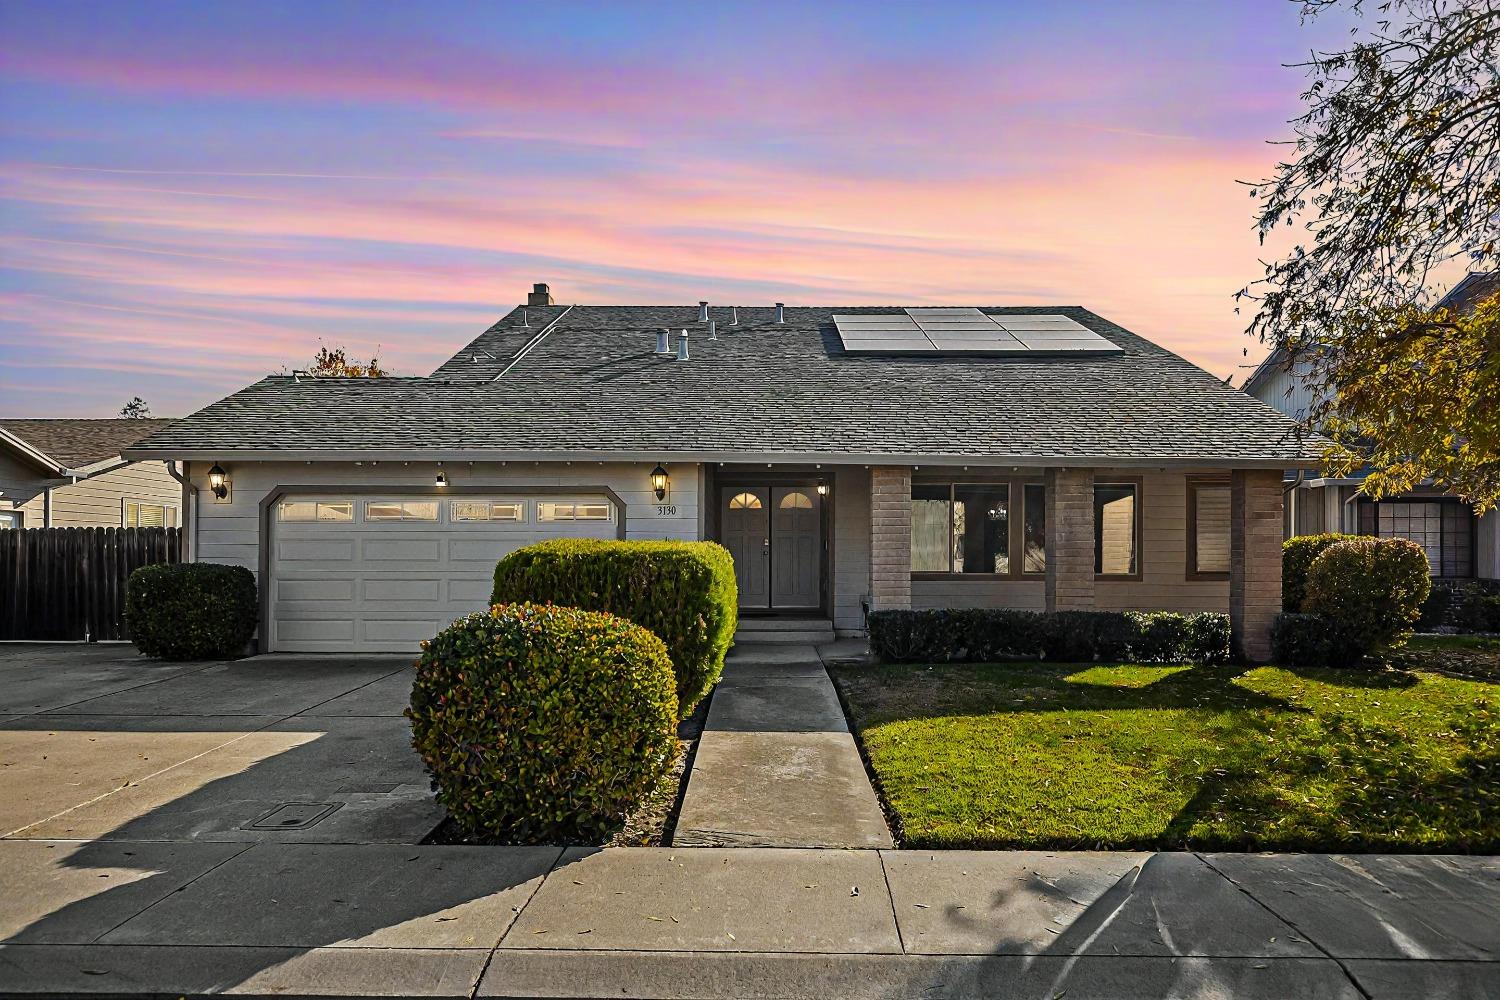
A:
x: 98, y: 743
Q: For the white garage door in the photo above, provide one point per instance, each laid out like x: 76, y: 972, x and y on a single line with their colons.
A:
x: 380, y: 574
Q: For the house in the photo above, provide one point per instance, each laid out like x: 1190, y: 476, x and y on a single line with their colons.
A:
x: 70, y: 474
x: 850, y: 458
x: 1460, y: 545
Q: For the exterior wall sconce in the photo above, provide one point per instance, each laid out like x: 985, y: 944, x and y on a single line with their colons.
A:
x: 659, y: 482
x: 218, y: 482
x: 822, y: 488
x: 442, y: 477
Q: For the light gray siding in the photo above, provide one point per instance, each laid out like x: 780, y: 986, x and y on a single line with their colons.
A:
x: 1288, y: 389
x: 230, y: 532
x: 97, y: 502
x: 19, y: 482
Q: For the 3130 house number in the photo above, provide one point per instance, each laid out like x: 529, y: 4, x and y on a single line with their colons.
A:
x: 666, y: 510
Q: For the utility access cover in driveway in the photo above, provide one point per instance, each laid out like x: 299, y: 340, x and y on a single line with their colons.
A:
x: 294, y: 816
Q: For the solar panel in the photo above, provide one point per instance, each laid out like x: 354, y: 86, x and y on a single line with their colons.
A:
x: 967, y: 330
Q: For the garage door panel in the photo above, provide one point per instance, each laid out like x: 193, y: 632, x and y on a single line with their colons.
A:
x: 404, y: 550
x: 399, y: 591
x: 315, y: 630
x: 406, y: 632
x: 315, y: 550
x: 384, y: 586
x: 473, y: 593
x: 315, y: 590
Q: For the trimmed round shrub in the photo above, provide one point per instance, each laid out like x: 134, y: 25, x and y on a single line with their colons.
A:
x: 191, y: 611
x: 683, y: 591
x: 1313, y: 641
x: 1370, y: 589
x: 543, y: 724
x: 1297, y: 555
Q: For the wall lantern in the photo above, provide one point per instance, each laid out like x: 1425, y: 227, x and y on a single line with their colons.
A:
x: 441, y: 480
x: 822, y: 488
x: 659, y: 482
x: 218, y: 482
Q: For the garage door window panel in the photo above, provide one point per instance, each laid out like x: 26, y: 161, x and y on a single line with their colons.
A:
x: 316, y: 510
x: 486, y: 510
x: 553, y: 510
x: 401, y: 510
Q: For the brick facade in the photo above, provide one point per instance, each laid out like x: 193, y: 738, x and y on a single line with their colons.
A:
x: 1254, y: 560
x: 890, y: 537
x: 1070, y: 539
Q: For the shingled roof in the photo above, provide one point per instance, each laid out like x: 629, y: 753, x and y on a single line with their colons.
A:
x: 77, y: 443
x: 593, y: 387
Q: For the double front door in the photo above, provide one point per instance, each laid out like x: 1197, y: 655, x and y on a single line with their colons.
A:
x: 775, y: 534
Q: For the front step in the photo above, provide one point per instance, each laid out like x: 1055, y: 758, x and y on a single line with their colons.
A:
x: 800, y: 631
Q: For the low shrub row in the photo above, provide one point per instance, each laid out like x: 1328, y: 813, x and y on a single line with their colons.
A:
x: 982, y: 634
x: 1467, y: 605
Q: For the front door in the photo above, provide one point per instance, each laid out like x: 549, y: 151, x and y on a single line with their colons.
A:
x: 795, y: 555
x: 746, y: 531
x: 776, y: 538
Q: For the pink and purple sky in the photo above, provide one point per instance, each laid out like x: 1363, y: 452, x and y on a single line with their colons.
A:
x: 192, y: 195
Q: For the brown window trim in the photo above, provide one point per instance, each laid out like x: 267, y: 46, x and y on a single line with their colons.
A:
x: 1194, y: 483
x: 1016, y: 498
x: 1140, y: 525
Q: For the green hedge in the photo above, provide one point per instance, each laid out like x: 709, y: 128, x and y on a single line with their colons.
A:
x: 1302, y: 640
x: 1372, y: 589
x: 543, y: 724
x: 683, y: 591
x: 191, y: 611
x: 1297, y: 555
x: 982, y: 635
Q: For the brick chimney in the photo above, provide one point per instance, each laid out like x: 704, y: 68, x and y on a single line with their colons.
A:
x: 540, y: 296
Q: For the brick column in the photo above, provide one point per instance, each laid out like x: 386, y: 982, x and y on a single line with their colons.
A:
x: 890, y: 538
x: 1255, y: 499
x: 1070, y: 539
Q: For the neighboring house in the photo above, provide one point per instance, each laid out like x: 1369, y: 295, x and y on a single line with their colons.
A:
x: 850, y: 459
x: 1459, y: 545
x: 69, y: 474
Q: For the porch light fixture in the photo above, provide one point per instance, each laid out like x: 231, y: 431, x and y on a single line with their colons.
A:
x: 659, y: 482
x: 218, y: 481
x: 442, y: 477
x: 822, y: 488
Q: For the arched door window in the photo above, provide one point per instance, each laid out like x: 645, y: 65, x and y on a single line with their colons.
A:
x: 744, y: 501
x: 796, y: 501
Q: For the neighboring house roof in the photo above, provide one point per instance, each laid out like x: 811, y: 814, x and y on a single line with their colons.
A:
x: 1475, y: 287
x: 593, y: 388
x: 73, y: 444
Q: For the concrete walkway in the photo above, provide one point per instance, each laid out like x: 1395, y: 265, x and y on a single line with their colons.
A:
x: 355, y: 920
x: 776, y: 765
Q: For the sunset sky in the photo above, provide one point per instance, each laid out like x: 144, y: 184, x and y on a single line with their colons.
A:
x: 192, y: 195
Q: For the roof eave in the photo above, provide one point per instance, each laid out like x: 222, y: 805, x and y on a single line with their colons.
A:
x: 712, y: 457
x: 32, y: 453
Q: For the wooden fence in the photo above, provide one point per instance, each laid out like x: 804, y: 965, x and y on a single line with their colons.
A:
x: 69, y: 583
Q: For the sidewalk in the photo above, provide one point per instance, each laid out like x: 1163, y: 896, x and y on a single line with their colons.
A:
x: 392, y: 920
x: 776, y: 765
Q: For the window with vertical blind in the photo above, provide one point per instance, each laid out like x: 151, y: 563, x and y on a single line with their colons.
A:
x: 1208, y: 529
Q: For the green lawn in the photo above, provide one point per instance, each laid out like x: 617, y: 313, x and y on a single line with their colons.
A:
x: 1120, y: 756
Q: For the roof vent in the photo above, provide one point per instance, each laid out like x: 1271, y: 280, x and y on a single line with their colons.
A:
x: 713, y: 329
x: 540, y: 295
x: 662, y: 347
x: 734, y: 315
x: 682, y: 352
x: 703, y: 312
x: 781, y: 312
